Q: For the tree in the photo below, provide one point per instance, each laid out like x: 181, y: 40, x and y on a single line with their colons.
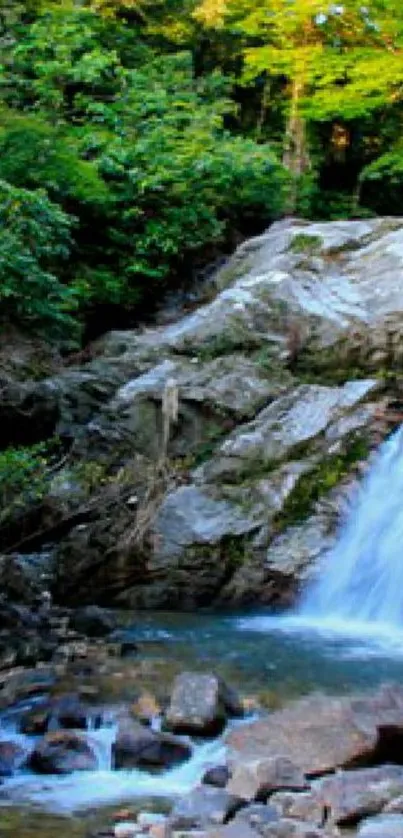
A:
x: 330, y: 60
x: 34, y: 240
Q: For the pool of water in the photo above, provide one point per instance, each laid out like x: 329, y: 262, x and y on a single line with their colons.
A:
x: 285, y: 654
x: 268, y: 658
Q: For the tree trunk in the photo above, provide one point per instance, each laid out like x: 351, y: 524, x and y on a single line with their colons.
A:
x: 295, y: 157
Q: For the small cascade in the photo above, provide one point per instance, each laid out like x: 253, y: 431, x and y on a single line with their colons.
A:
x: 361, y: 581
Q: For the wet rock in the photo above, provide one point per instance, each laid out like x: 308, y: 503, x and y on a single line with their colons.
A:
x: 204, y: 806
x: 382, y: 826
x: 320, y: 733
x: 12, y: 757
x: 303, y: 806
x: 62, y: 753
x: 256, y: 779
x: 348, y: 796
x: 92, y: 621
x: 36, y: 721
x: 217, y: 776
x: 146, y: 708
x: 137, y: 746
x: 17, y: 686
x: 200, y: 704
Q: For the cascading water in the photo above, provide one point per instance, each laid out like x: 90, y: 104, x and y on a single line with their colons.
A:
x: 362, y: 578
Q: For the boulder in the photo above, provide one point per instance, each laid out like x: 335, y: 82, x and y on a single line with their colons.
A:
x: 321, y: 733
x: 349, y: 796
x: 12, y: 757
x: 62, y: 753
x: 204, y: 806
x: 92, y: 621
x: 137, y: 746
x: 256, y: 779
x: 200, y: 704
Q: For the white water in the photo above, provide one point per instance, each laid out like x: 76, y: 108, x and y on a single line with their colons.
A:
x: 359, y: 593
x: 66, y: 794
x: 362, y: 580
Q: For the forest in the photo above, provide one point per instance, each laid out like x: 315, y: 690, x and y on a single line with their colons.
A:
x: 141, y: 140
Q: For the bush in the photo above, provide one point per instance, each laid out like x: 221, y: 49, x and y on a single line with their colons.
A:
x: 34, y: 240
x: 382, y: 183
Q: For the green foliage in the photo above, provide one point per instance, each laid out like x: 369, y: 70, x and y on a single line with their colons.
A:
x: 121, y: 113
x: 24, y: 478
x: 382, y: 183
x: 34, y: 240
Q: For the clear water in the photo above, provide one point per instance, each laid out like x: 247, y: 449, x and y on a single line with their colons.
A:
x: 346, y: 635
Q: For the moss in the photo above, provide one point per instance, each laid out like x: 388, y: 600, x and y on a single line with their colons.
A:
x: 305, y: 243
x: 318, y: 482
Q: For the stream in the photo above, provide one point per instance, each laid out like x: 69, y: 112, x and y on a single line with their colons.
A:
x: 268, y: 658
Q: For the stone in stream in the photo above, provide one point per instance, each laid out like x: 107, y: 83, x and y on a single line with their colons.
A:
x: 217, y: 776
x: 300, y: 806
x: 256, y: 779
x: 203, y: 807
x: 136, y: 746
x: 92, y: 621
x: 12, y: 757
x: 320, y: 733
x: 63, y: 752
x: 200, y: 704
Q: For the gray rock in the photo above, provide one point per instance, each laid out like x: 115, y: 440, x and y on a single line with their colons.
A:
x: 200, y: 704
x: 217, y: 776
x: 348, y: 796
x: 62, y: 753
x: 137, y: 746
x: 12, y: 757
x: 204, y: 806
x: 256, y: 779
x: 93, y: 621
x: 320, y: 733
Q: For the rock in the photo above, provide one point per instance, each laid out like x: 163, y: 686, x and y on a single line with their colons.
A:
x: 146, y: 708
x: 12, y: 757
x: 258, y: 816
x: 36, y: 721
x: 137, y: 746
x: 126, y: 829
x: 382, y: 826
x: 320, y: 733
x: 348, y: 796
x: 281, y: 829
x: 217, y: 776
x: 200, y: 704
x: 263, y: 427
x: 204, y: 806
x: 61, y: 753
x: 92, y: 621
x: 257, y: 779
x: 303, y: 806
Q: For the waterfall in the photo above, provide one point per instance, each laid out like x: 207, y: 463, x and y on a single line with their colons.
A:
x: 362, y: 577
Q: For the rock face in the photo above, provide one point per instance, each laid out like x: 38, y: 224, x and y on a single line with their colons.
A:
x: 204, y: 451
x: 319, y: 734
x: 200, y: 704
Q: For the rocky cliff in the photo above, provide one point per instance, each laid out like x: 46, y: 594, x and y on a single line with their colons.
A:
x: 209, y: 460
